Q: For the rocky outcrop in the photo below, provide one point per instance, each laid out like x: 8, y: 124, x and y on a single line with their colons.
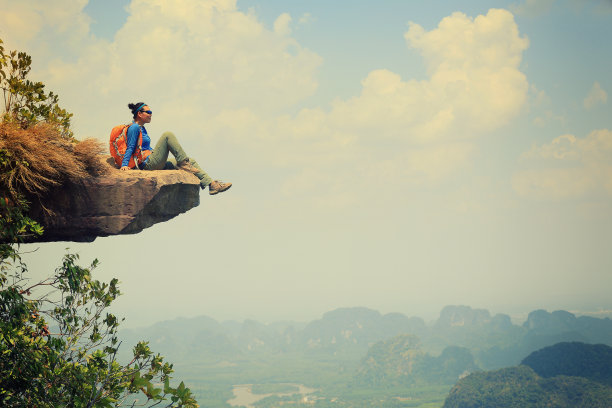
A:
x: 462, y: 316
x: 119, y: 202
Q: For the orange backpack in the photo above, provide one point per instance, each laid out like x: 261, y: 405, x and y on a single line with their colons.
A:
x: 118, y: 146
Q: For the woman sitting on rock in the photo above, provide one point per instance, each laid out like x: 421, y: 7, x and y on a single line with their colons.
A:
x: 157, y: 159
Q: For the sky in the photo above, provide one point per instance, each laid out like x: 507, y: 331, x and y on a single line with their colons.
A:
x: 396, y: 155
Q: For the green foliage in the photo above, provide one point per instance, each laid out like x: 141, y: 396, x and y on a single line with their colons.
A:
x: 15, y: 225
x: 26, y: 102
x: 521, y: 387
x: 400, y: 361
x: 592, y: 361
x: 391, y: 362
x: 507, y: 387
x: 75, y: 363
x: 386, y: 397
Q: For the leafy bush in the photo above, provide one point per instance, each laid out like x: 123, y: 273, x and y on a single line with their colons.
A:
x: 26, y: 102
x: 75, y: 363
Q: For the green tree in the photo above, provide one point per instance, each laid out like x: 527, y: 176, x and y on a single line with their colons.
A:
x: 58, y: 343
x: 521, y: 387
x: 72, y: 361
x: 25, y: 101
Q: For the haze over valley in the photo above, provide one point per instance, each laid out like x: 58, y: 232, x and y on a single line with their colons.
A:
x: 356, y: 356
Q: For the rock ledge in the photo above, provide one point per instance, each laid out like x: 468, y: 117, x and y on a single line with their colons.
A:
x: 120, y: 202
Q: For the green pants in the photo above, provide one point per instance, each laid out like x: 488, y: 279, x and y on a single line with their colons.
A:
x: 158, y: 160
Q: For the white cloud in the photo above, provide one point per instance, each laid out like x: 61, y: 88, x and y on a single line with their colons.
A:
x: 216, y: 75
x: 595, y: 97
x: 563, y: 147
x: 568, y: 167
x: 539, y: 98
x: 281, y: 24
x: 547, y: 117
x: 532, y: 8
x: 305, y: 19
x: 475, y: 84
x: 405, y: 132
x: 189, y: 59
x: 536, y: 8
x: 33, y: 25
x: 539, y: 101
x: 15, y: 21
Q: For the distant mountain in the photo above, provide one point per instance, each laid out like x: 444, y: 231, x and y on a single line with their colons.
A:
x: 254, y: 336
x: 474, y: 329
x: 542, y: 329
x: 592, y: 361
x: 562, y: 375
x: 345, y: 333
x: 584, y: 328
x: 400, y: 361
x: 349, y: 330
x: 391, y: 362
x: 348, y: 333
x: 462, y: 316
x: 521, y: 387
x: 198, y: 338
x: 359, y: 349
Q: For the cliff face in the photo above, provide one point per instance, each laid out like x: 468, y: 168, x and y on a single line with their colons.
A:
x: 462, y: 316
x: 120, y: 202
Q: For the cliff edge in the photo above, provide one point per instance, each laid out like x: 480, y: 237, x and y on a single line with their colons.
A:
x: 118, y: 202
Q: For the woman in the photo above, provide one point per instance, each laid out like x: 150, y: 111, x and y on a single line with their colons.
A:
x: 157, y: 159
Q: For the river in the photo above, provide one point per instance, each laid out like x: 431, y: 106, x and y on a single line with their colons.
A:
x: 244, y: 397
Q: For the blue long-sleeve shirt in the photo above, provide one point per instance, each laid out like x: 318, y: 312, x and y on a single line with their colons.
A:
x: 132, y: 140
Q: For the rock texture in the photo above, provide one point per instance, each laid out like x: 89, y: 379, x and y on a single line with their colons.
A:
x: 120, y: 202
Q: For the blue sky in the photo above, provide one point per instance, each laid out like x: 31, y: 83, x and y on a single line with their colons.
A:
x: 395, y: 155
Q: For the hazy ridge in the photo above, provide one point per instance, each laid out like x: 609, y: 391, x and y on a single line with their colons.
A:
x: 347, y: 332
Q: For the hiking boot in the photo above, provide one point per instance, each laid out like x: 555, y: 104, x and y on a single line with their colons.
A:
x: 187, y: 166
x: 217, y: 187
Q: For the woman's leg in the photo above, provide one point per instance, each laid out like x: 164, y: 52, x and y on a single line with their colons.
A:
x: 168, y: 143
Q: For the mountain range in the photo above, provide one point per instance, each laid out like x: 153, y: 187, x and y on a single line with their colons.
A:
x: 348, y: 333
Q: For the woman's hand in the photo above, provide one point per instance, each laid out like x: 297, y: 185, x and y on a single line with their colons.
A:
x: 124, y: 168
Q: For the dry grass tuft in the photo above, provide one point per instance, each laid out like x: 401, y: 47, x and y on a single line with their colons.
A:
x: 88, y: 152
x: 40, y: 158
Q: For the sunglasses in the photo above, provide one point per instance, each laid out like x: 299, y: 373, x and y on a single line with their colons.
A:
x: 147, y: 111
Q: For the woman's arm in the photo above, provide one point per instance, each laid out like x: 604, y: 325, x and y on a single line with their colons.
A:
x: 133, y: 133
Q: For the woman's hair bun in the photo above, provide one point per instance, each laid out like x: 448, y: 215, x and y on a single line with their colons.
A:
x: 135, y: 107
